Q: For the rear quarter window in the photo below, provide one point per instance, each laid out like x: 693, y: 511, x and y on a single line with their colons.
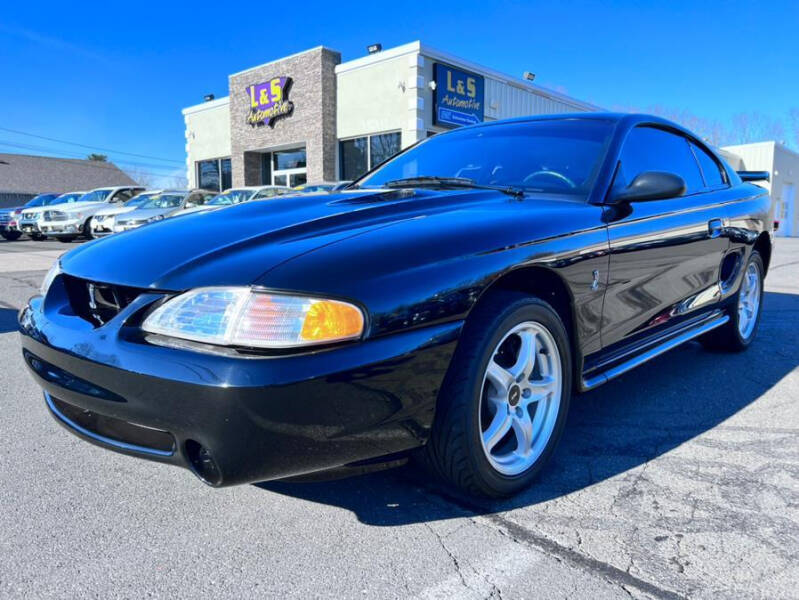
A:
x: 710, y: 168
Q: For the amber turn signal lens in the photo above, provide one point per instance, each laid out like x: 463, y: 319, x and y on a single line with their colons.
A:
x: 331, y: 320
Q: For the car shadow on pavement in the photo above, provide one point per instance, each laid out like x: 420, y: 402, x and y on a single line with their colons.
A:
x: 617, y: 427
x: 8, y: 319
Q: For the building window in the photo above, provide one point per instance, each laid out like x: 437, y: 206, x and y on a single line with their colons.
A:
x: 227, y: 175
x: 214, y: 174
x: 361, y: 154
x: 354, y: 158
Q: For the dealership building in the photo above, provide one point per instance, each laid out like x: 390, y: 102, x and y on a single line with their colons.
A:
x: 310, y: 117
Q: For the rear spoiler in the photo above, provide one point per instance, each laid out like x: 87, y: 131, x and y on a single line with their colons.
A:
x: 754, y: 175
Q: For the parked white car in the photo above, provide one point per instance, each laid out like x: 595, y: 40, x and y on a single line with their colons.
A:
x: 31, y: 218
x: 68, y: 222
x: 103, y: 221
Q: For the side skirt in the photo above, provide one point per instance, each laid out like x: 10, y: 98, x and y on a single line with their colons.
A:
x: 715, y: 320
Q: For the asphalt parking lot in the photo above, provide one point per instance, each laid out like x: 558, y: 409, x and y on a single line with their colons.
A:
x: 680, y: 479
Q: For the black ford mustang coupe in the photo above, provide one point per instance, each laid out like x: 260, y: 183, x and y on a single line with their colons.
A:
x: 448, y: 303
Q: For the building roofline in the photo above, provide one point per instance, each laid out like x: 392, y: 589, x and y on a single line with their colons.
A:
x: 195, y: 108
x: 281, y: 59
x: 774, y: 143
x: 418, y: 47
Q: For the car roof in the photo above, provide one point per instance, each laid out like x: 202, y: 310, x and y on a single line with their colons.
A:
x: 628, y: 119
x: 81, y: 192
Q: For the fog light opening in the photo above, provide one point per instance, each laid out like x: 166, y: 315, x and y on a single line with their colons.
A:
x: 202, y: 463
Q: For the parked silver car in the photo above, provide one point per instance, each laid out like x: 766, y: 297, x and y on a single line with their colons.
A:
x: 166, y: 204
x: 103, y: 221
x: 67, y: 223
x: 239, y: 195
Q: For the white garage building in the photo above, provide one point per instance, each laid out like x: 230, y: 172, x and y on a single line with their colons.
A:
x: 783, y: 164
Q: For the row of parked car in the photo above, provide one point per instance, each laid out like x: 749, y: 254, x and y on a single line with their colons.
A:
x: 104, y: 211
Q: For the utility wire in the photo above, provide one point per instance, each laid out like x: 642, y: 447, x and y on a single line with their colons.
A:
x: 67, y: 154
x: 96, y: 164
x: 49, y: 139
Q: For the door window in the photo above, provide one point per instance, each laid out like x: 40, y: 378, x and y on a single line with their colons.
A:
x: 652, y: 149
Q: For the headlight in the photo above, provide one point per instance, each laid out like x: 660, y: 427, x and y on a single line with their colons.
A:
x: 155, y: 218
x: 99, y: 218
x: 48, y: 279
x: 245, y: 317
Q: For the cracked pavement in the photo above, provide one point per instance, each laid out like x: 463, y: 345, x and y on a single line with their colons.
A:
x: 678, y: 480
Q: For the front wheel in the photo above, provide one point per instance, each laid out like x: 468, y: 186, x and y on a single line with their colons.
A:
x: 67, y: 238
x: 87, y: 230
x: 739, y: 332
x: 11, y: 235
x: 505, y: 398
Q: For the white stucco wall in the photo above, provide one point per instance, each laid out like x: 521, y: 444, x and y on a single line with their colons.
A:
x: 207, y: 134
x: 371, y: 98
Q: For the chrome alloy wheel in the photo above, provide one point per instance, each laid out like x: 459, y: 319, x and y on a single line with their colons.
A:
x: 521, y: 397
x: 749, y: 300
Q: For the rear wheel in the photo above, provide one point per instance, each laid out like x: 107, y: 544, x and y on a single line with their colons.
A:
x: 11, y: 235
x: 37, y: 237
x: 739, y: 332
x: 504, y: 402
x: 67, y: 238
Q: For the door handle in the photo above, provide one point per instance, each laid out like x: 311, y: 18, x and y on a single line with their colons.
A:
x: 714, y: 227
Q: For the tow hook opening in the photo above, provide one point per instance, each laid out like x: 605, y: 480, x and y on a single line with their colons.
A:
x: 202, y: 463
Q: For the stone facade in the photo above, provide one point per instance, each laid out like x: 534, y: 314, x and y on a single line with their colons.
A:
x: 312, y: 123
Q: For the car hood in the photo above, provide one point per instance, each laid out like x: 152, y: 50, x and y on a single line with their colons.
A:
x: 237, y: 245
x: 76, y: 207
x: 114, y: 210
x: 140, y: 214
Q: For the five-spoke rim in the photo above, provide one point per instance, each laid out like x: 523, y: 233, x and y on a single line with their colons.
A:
x: 520, y: 398
x: 749, y: 300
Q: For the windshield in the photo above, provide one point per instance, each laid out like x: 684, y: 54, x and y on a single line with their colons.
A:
x: 559, y: 156
x: 139, y: 200
x: 315, y: 187
x: 40, y: 200
x: 269, y: 193
x: 230, y: 197
x: 95, y: 196
x: 64, y: 198
x: 163, y: 201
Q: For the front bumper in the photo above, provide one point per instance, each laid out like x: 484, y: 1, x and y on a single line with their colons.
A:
x: 255, y: 418
x: 29, y: 227
x: 60, y: 228
x: 103, y: 227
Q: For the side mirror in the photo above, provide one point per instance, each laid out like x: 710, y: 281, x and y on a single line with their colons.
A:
x: 189, y: 205
x: 652, y: 185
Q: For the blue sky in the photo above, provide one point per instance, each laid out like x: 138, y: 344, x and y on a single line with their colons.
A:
x: 117, y: 75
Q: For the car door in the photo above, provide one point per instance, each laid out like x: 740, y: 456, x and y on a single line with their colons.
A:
x: 665, y: 255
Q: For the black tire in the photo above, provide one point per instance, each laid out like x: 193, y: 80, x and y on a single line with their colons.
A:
x: 454, y: 451
x: 86, y: 230
x: 11, y: 235
x: 37, y: 237
x: 728, y: 338
x: 67, y: 238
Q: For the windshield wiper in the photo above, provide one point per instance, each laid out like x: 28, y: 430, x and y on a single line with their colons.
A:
x: 457, y: 182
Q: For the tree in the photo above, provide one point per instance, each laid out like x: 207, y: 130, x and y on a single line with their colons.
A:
x: 755, y: 127
x: 97, y: 157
